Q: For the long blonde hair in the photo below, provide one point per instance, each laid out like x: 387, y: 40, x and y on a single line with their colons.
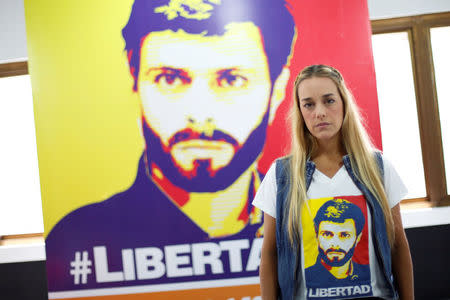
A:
x: 356, y: 143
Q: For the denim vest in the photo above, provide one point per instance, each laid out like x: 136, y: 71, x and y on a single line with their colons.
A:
x: 289, y: 257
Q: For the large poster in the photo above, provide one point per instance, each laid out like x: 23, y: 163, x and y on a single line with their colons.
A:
x: 156, y: 121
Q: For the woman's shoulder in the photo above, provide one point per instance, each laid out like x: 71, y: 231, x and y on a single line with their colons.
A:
x: 281, y: 164
x: 385, y: 160
x: 283, y: 159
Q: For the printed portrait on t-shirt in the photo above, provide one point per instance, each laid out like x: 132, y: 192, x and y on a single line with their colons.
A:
x: 336, y: 249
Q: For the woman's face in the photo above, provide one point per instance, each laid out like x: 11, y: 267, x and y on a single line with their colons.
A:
x: 322, y: 108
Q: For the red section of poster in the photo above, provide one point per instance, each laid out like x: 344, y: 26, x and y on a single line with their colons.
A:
x: 335, y: 33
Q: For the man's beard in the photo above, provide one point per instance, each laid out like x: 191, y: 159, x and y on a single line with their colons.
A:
x: 336, y: 262
x: 202, y: 178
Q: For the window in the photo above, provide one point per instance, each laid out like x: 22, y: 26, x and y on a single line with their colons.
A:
x: 440, y: 44
x: 427, y: 41
x: 398, y: 113
x: 20, y: 204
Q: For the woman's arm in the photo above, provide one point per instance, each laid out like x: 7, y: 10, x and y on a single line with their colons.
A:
x: 401, y: 258
x: 268, y: 273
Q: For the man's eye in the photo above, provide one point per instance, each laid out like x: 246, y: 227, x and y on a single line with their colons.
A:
x: 327, y: 234
x: 345, y: 235
x: 171, y: 80
x: 228, y: 80
x: 167, y: 79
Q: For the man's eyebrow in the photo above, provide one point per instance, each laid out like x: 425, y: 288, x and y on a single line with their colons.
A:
x: 226, y: 70
x: 166, y: 69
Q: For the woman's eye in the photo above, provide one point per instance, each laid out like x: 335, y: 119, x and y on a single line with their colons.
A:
x: 307, y: 105
x: 330, y: 101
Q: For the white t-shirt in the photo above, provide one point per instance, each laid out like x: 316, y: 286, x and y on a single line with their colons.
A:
x: 336, y: 199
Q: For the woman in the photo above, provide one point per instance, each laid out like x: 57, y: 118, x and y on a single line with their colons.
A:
x: 332, y: 224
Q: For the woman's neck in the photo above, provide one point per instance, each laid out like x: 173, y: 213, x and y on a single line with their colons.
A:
x: 328, y: 157
x: 331, y: 149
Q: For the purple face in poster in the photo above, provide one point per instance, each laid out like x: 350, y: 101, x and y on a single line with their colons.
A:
x: 210, y: 75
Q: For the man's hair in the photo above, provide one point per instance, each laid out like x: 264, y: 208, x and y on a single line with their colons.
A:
x: 210, y: 17
x: 339, y: 210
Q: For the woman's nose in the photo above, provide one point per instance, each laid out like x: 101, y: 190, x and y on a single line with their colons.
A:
x: 320, y: 111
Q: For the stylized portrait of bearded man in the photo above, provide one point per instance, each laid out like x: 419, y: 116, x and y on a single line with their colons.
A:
x: 210, y: 76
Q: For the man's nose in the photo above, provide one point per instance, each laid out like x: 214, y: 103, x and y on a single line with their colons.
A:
x: 206, y: 127
x: 200, y: 110
x: 334, y: 242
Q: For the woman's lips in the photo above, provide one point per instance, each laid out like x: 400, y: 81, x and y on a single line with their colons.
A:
x: 323, y: 124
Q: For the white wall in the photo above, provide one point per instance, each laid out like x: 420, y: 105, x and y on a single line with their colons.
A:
x: 13, y: 44
x: 12, y: 21
x: 385, y: 9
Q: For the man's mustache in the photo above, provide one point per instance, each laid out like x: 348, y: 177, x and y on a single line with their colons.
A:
x: 189, y: 134
x: 335, y: 250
